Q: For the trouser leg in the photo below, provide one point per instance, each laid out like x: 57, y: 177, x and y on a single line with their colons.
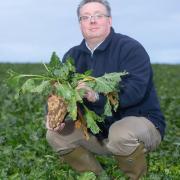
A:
x: 71, y: 137
x: 128, y: 139
x: 74, y: 148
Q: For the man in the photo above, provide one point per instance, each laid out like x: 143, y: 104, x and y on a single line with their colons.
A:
x: 138, y: 125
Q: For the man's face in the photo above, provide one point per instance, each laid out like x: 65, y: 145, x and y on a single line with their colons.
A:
x: 97, y: 27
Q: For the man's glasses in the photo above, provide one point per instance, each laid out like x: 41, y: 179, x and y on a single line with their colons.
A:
x: 96, y: 17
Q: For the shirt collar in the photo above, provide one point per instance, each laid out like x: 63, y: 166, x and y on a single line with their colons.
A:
x: 92, y: 50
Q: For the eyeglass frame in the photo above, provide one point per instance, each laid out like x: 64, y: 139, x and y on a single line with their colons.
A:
x: 87, y: 18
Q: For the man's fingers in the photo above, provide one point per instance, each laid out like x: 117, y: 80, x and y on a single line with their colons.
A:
x: 60, y: 127
x: 90, y: 96
x: 82, y: 85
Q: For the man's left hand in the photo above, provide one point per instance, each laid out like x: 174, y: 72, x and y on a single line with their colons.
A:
x: 89, y: 94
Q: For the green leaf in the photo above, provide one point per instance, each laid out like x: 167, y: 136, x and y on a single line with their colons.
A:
x: 87, y: 176
x: 70, y: 64
x: 55, y: 61
x: 64, y: 72
x: 71, y: 97
x: 13, y: 79
x: 64, y: 91
x: 107, y: 108
x: 91, y: 118
x: 108, y: 83
x: 72, y: 108
x: 41, y: 87
x: 28, y: 86
x: 88, y: 73
x: 79, y: 96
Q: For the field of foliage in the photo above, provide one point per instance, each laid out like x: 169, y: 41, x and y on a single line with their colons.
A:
x: 25, y: 154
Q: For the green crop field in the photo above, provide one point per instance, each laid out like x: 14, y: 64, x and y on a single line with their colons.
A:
x: 25, y: 154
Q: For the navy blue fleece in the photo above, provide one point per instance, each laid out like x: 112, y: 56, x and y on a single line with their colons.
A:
x: 138, y: 95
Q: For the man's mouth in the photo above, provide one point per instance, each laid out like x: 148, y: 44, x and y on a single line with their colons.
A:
x: 93, y: 28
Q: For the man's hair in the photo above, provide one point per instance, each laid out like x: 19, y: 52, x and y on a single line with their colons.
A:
x: 103, y: 2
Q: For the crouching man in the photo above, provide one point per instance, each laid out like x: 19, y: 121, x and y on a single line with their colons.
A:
x: 138, y: 126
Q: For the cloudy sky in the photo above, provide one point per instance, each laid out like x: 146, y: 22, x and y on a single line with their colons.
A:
x: 31, y: 29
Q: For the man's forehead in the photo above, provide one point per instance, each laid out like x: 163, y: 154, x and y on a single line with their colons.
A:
x: 93, y: 7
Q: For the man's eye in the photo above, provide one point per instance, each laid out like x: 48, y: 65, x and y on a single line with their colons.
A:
x: 85, y: 17
x: 99, y: 16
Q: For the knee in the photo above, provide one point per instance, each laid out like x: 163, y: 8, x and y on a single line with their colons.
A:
x: 121, y: 141
x: 119, y: 135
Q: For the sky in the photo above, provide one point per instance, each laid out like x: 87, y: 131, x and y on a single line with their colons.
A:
x: 30, y: 30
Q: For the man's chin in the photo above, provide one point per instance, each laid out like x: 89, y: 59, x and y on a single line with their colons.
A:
x: 93, y: 35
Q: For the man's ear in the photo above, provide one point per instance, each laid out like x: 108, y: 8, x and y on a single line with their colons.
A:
x: 110, y: 21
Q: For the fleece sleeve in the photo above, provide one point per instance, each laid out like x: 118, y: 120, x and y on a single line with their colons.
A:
x: 135, y: 85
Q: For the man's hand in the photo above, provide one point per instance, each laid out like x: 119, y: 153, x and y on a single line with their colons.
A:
x: 58, y: 128
x: 90, y: 95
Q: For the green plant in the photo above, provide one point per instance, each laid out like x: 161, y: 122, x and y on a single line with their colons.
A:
x: 62, y: 79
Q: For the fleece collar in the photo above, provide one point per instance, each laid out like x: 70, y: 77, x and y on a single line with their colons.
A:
x: 101, y: 47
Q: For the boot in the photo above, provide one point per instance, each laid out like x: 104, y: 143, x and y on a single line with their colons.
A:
x: 134, y: 165
x: 82, y: 160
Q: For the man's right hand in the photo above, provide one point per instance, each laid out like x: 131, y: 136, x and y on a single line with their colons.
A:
x: 58, y: 128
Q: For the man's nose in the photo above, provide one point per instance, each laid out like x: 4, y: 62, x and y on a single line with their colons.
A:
x: 92, y: 19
